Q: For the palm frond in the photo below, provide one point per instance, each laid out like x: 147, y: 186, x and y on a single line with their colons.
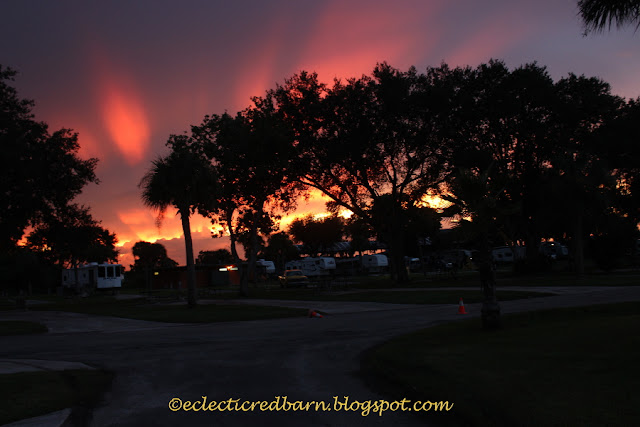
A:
x: 181, y: 179
x: 598, y: 15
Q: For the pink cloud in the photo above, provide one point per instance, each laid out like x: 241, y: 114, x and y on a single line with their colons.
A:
x: 341, y: 46
x: 122, y: 109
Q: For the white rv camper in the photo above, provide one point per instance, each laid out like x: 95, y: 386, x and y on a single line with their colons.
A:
x: 267, y: 268
x: 320, y: 266
x: 376, y: 263
x: 502, y: 254
x: 93, y: 276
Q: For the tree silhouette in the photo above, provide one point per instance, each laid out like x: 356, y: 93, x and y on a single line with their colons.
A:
x: 317, y: 235
x: 251, y: 153
x: 621, y: 149
x: 582, y: 180
x: 359, y: 233
x: 219, y: 256
x: 185, y: 181
x: 72, y: 238
x: 280, y: 249
x: 479, y: 197
x: 152, y: 255
x: 41, y: 172
x: 368, y: 139
x: 147, y: 257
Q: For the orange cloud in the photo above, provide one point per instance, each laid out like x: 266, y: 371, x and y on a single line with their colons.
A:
x: 343, y: 47
x: 315, y: 205
x: 122, y: 110
x: 202, y: 241
x: 142, y: 226
x: 336, y: 45
x: 126, y: 122
x: 258, y: 67
x: 143, y: 223
x: 256, y: 77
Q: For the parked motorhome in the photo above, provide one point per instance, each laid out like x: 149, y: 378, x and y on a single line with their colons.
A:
x: 412, y: 263
x: 376, y: 263
x: 507, y: 254
x: 554, y: 250
x: 502, y: 254
x: 267, y: 268
x: 312, y: 266
x: 93, y: 276
x: 366, y: 264
x: 348, y: 266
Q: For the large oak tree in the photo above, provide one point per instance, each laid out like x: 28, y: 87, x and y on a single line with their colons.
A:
x: 379, y: 140
x: 41, y: 171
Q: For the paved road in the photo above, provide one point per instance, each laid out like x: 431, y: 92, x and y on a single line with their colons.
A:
x: 301, y: 358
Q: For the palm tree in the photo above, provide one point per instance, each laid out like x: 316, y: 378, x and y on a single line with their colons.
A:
x: 478, y: 195
x: 185, y: 181
x: 600, y: 14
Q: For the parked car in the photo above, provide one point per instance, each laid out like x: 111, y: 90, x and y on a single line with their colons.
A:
x: 458, y: 258
x: 292, y: 278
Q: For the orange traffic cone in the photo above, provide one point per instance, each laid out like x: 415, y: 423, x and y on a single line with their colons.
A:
x: 461, y: 309
x: 313, y: 313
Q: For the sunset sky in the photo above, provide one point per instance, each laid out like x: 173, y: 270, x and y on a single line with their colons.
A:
x: 127, y: 74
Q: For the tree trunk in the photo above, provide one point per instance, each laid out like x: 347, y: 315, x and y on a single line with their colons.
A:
x: 232, y: 235
x: 399, y: 273
x: 191, y: 267
x: 578, y: 245
x: 251, y: 260
x: 532, y: 244
x: 490, y: 308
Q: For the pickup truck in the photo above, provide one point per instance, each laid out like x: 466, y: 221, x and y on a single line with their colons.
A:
x: 293, y: 278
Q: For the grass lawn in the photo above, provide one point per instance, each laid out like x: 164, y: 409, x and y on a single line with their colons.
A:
x: 20, y: 327
x: 565, y: 367
x: 143, y: 310
x: 508, y: 278
x: 31, y: 394
x: 392, y: 297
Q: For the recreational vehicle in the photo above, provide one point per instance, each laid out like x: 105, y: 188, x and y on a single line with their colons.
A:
x: 268, y: 268
x: 366, y: 264
x: 508, y: 254
x: 502, y: 254
x: 93, y: 276
x: 376, y: 263
x: 310, y: 267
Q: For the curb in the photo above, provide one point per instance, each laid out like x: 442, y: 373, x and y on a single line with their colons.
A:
x: 58, y: 418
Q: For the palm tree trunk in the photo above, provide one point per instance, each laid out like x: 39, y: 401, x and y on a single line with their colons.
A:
x: 191, y: 268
